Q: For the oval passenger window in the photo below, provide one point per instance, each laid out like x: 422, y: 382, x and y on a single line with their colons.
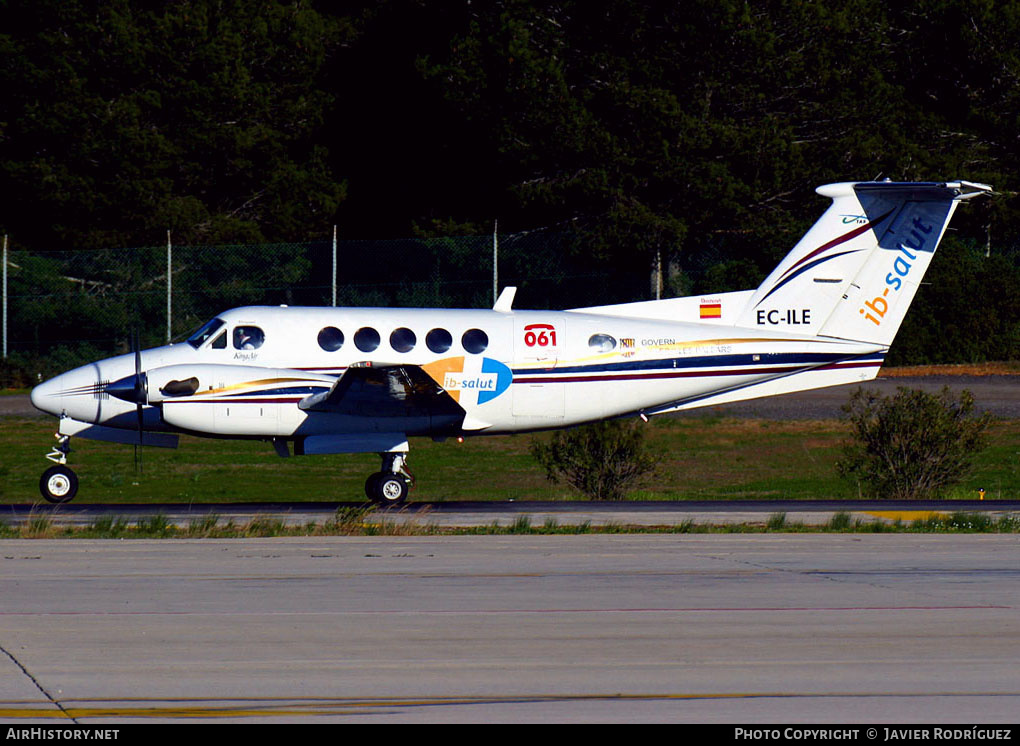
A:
x: 366, y: 339
x: 331, y: 339
x: 439, y: 340
x: 475, y: 341
x: 403, y: 340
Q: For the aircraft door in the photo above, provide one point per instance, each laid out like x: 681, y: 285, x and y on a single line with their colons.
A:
x: 538, y: 340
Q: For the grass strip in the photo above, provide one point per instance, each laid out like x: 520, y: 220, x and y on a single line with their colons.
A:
x: 699, y: 458
x: 361, y: 523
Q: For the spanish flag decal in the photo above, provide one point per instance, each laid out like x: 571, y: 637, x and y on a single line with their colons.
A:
x: 711, y: 310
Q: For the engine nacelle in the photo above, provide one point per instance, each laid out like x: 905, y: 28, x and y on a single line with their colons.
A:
x: 175, y: 382
x: 233, y: 399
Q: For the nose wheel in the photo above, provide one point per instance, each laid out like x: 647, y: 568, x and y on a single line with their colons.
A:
x: 58, y: 484
x: 391, y: 485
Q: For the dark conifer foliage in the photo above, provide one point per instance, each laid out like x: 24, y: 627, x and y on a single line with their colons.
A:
x: 121, y: 120
x: 693, y: 133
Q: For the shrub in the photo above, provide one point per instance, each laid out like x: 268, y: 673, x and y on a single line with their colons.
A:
x: 912, y: 445
x: 840, y: 521
x: 600, y: 460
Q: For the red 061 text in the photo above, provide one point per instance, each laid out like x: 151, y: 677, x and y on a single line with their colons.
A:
x: 540, y: 335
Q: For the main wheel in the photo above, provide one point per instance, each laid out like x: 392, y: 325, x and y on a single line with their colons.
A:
x: 371, y: 486
x: 58, y: 484
x: 390, y: 489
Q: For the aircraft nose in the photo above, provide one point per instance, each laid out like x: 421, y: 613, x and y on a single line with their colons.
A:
x: 75, y: 394
x: 46, y: 396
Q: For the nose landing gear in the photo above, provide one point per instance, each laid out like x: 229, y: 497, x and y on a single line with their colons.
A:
x: 391, y: 485
x: 59, y: 484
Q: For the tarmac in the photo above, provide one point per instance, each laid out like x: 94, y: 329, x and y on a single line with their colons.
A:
x: 779, y: 629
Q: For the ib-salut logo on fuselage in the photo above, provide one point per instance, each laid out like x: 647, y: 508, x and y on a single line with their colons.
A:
x: 471, y: 380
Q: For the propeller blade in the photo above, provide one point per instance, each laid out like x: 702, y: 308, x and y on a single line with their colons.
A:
x: 140, y: 395
x: 141, y: 437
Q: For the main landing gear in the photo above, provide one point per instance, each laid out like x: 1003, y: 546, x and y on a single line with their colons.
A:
x: 59, y: 484
x: 390, y: 485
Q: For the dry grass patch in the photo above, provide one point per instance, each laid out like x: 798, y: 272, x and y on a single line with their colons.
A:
x: 1008, y: 368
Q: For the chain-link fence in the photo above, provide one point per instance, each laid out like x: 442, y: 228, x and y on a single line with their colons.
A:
x: 65, y: 308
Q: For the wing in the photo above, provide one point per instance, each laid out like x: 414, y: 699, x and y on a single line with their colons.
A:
x: 365, y: 390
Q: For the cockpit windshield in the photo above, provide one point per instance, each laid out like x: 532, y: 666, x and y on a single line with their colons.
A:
x: 200, y: 337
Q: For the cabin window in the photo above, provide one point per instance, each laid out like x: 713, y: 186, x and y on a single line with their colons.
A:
x: 403, y: 340
x: 248, y: 337
x: 331, y: 339
x: 366, y: 339
x: 204, y: 333
x: 475, y: 341
x: 439, y: 340
x: 602, y: 342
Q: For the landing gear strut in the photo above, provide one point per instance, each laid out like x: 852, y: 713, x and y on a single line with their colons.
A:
x: 59, y: 484
x: 391, y: 485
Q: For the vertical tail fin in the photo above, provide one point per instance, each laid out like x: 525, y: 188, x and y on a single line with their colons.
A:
x: 855, y: 272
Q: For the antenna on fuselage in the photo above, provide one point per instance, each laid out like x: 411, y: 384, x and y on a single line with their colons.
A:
x: 505, y: 301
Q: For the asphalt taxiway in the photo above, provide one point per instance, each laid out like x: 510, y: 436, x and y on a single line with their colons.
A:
x: 787, y: 628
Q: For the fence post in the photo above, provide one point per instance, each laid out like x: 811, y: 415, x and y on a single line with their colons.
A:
x: 5, y: 296
x: 169, y: 286
x: 657, y: 274
x: 334, y: 265
x: 495, y: 261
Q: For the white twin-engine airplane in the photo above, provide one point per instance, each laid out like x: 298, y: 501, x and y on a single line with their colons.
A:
x: 356, y: 380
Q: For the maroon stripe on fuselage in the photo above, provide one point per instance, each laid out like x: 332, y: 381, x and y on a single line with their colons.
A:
x: 692, y: 374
